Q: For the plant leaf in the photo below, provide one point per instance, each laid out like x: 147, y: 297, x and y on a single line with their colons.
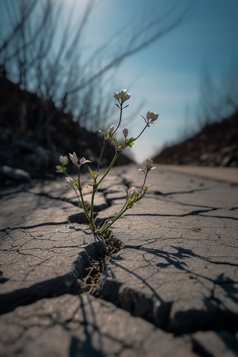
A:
x: 87, y: 184
x: 130, y: 142
x: 59, y: 169
x: 93, y: 173
x: 118, y: 146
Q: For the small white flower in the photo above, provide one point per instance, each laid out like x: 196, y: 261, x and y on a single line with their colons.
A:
x: 111, y: 130
x: 63, y: 159
x: 73, y: 157
x: 148, y: 166
x: 123, y: 96
x: 151, y: 117
x: 83, y: 161
x: 125, y: 132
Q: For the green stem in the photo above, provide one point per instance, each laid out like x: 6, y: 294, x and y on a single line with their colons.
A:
x: 119, y: 120
x: 109, y: 168
x: 81, y: 195
x: 141, y: 132
x: 79, y: 175
x: 76, y: 192
x: 114, y: 220
x: 95, y: 185
x: 92, y: 200
x: 103, y: 148
x: 86, y: 211
x: 144, y: 181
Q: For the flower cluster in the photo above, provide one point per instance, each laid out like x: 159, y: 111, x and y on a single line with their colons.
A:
x: 122, y: 96
x: 151, y: 117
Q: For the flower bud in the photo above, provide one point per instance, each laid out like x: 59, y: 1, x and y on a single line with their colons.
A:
x: 125, y: 132
x: 122, y: 96
x: 111, y: 130
x: 148, y: 163
x: 151, y: 116
x: 73, y: 157
x: 63, y: 160
x: 148, y: 166
x: 116, y: 95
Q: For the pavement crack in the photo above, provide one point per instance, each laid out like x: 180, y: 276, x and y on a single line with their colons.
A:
x: 3, y: 195
x: 180, y: 192
x: 125, y: 182
x: 34, y: 226
x: 56, y: 286
x: 193, y: 213
x: 152, y: 307
x: 226, y: 217
x: 74, y: 203
x: 181, y: 203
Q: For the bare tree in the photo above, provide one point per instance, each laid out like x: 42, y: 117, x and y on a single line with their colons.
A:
x: 48, y: 62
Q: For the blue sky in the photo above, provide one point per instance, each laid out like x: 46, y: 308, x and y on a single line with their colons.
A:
x: 166, y: 75
x: 168, y: 72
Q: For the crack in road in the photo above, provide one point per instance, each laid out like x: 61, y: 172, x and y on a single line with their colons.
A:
x: 179, y: 192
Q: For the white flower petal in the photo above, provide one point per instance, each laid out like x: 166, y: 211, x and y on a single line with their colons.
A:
x: 123, y: 95
x: 116, y: 95
x: 127, y: 96
x: 73, y: 157
x: 83, y: 161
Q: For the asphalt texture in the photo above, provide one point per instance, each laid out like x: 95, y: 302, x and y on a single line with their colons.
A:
x: 171, y: 290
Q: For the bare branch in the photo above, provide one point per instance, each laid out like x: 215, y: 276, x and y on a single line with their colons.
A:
x: 18, y: 26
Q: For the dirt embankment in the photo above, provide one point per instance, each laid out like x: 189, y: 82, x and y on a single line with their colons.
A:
x: 215, y: 145
x: 34, y: 132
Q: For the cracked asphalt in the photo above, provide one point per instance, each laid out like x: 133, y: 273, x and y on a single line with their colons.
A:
x: 172, y: 289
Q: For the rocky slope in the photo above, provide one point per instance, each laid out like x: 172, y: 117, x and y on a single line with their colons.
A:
x: 34, y: 132
x: 215, y: 145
